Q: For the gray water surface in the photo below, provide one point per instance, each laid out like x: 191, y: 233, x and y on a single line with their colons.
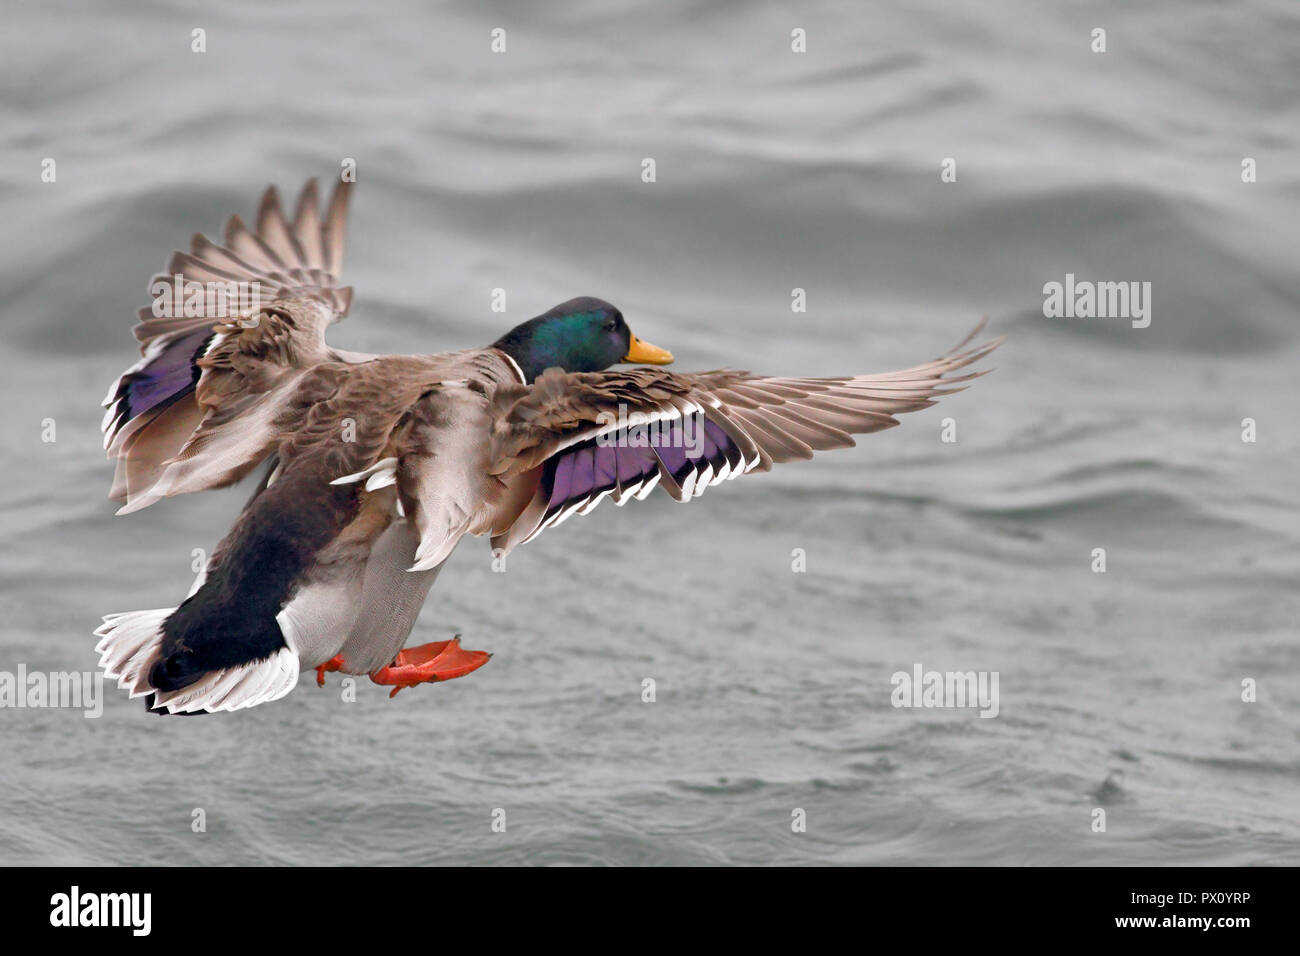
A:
x: 775, y: 170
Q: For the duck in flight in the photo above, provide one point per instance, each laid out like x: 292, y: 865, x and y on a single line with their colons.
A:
x: 377, y: 465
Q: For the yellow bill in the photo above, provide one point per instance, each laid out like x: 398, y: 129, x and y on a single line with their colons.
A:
x: 643, y: 353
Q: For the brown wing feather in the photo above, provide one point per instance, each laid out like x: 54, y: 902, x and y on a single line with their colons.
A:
x: 222, y: 368
x: 757, y: 421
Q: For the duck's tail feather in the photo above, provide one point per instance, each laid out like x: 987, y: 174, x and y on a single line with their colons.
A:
x: 130, y: 647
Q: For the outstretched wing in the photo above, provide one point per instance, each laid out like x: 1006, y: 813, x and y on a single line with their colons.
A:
x: 574, y: 439
x: 232, y: 327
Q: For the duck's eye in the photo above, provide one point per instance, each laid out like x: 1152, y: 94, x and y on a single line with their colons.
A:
x: 611, y: 325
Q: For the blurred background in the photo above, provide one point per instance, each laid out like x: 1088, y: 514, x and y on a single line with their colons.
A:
x: 775, y: 170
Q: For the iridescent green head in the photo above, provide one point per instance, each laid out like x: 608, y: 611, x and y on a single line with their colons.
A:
x: 581, y: 335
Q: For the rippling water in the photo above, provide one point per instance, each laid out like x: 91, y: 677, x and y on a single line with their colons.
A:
x: 774, y: 170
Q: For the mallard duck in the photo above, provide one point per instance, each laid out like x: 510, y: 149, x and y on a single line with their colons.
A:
x: 378, y: 465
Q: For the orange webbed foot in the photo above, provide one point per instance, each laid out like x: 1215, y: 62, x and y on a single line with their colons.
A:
x: 333, y: 664
x: 429, y: 663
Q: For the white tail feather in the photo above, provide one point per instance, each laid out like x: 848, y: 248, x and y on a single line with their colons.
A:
x: 128, y: 648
